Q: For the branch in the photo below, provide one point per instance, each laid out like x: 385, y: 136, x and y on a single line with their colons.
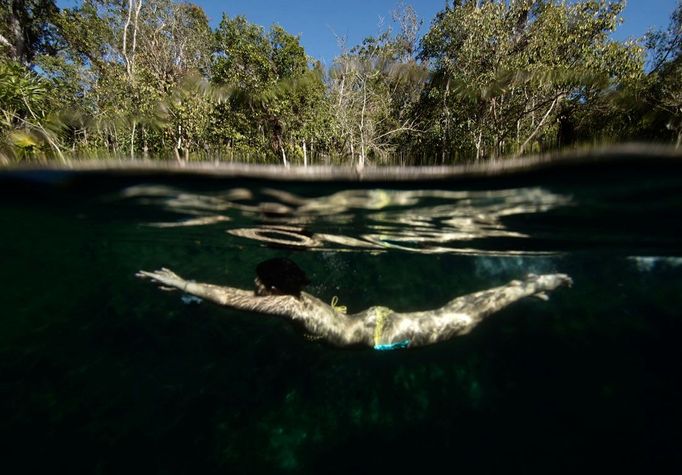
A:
x: 404, y: 128
x: 540, y: 105
x: 537, y: 129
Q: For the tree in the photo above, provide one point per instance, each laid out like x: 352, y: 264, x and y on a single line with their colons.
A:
x: 373, y: 89
x: 665, y: 94
x: 26, y: 28
x: 273, y: 98
x: 490, y: 78
x: 118, y: 62
x: 504, y: 72
x: 646, y: 109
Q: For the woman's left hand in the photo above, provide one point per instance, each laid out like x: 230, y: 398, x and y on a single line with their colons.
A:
x: 164, y: 277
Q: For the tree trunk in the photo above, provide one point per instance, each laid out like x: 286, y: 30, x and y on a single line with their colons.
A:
x: 145, y: 145
x: 132, y: 141
x: 478, y: 146
x: 446, y: 139
x: 124, y: 49
x: 361, y: 158
x: 305, y: 155
x: 352, y: 151
x: 19, y: 44
x: 135, y: 28
x: 178, y: 145
x: 284, y: 154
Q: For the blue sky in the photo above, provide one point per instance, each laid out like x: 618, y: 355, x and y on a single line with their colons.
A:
x: 318, y: 21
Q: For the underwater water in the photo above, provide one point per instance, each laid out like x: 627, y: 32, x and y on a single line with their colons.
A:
x: 101, y: 372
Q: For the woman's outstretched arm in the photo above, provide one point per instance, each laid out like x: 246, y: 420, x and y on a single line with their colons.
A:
x: 317, y: 317
x: 463, y: 314
x: 486, y: 302
x: 284, y: 305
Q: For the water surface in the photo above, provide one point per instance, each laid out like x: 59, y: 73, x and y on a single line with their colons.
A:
x: 103, y: 373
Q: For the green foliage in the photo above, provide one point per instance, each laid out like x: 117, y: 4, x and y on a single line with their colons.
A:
x: 505, y: 72
x: 243, y: 55
x: 151, y: 79
x: 275, y: 103
x: 26, y: 28
x: 645, y: 107
x: 26, y: 128
x: 20, y: 89
x: 288, y: 56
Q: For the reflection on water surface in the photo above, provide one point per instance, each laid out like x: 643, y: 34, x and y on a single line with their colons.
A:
x: 424, y: 221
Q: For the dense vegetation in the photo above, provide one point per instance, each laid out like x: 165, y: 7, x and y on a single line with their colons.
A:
x: 152, y: 79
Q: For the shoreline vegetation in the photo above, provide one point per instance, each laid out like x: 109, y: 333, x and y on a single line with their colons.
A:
x: 489, y: 81
x: 590, y: 160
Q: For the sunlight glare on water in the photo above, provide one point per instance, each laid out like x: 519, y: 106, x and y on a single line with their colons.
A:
x: 424, y: 221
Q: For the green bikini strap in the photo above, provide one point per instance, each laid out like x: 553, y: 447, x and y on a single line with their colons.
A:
x: 381, y: 314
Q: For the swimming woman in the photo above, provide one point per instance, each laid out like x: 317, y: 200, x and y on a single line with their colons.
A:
x: 278, y: 292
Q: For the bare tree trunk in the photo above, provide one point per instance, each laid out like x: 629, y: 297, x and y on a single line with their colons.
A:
x: 145, y: 146
x: 361, y: 159
x: 446, y: 139
x: 305, y: 155
x: 18, y: 48
x: 284, y: 154
x: 352, y: 151
x: 125, y: 39
x: 478, y: 145
x: 343, y: 83
x: 178, y: 145
x: 132, y: 141
x: 135, y: 28
x: 130, y: 59
x: 116, y: 142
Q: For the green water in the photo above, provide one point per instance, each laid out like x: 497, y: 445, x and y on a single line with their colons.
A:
x: 103, y: 373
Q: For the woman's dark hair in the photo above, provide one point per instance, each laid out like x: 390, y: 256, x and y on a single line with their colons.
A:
x: 280, y: 276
